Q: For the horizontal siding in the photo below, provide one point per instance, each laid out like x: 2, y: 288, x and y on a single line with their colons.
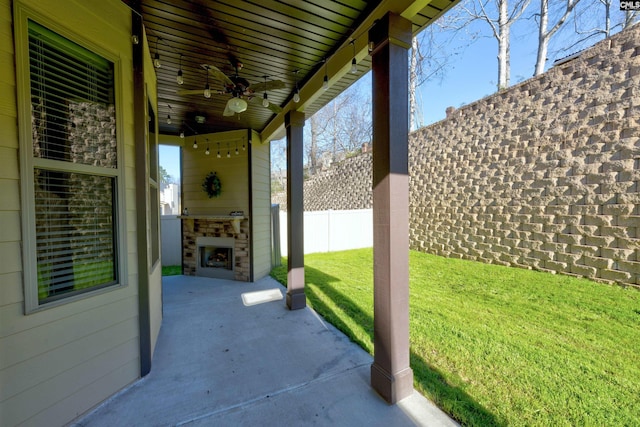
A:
x: 29, y: 372
x: 261, y: 210
x: 85, y: 397
x: 9, y: 163
x: 57, y: 363
x: 34, y: 403
x: 8, y: 132
x: 231, y: 171
x: 42, y: 332
x: 11, y: 288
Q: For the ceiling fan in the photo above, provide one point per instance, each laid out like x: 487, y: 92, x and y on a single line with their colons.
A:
x: 239, y: 88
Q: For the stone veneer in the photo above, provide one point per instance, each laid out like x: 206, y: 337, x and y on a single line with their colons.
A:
x: 200, y: 226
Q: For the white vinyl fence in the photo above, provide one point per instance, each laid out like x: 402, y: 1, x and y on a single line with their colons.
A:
x: 171, y: 240
x: 329, y: 231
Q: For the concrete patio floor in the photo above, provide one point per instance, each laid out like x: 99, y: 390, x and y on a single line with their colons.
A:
x: 219, y: 362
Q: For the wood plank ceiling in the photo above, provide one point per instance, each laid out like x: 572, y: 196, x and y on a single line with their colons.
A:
x: 285, y: 40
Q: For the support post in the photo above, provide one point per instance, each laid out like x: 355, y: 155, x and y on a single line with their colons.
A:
x: 391, y: 375
x: 294, y: 123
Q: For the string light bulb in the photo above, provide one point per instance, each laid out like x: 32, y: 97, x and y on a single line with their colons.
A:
x: 265, y: 98
x: 156, y: 58
x: 179, y: 77
x: 237, y: 152
x: 218, y: 156
x: 169, y: 115
x: 195, y: 142
x: 207, y: 89
x: 207, y: 152
x: 296, y: 94
x: 181, y: 133
x: 354, y: 65
x: 325, y: 81
x: 228, y: 151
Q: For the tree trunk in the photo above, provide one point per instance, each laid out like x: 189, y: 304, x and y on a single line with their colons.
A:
x: 313, y: 149
x: 541, y: 58
x: 413, y: 77
x: 503, y: 45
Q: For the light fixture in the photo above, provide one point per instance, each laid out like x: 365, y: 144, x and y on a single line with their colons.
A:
x: 265, y: 98
x: 296, y: 94
x: 237, y: 148
x: 156, y: 58
x: 181, y: 133
x: 195, y: 142
x: 207, y: 150
x: 169, y: 115
x: 219, y: 151
x: 207, y: 89
x: 179, y: 78
x: 135, y: 39
x: 228, y: 151
x: 237, y: 105
x: 354, y: 65
x: 325, y: 81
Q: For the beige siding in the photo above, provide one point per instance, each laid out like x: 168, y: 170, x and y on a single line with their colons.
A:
x: 57, y: 363
x: 231, y: 171
x: 155, y: 302
x: 261, y: 214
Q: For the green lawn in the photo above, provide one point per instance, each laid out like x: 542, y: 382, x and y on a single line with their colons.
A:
x: 494, y: 345
x: 171, y: 270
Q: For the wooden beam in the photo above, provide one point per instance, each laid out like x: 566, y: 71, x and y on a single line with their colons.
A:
x: 294, y: 123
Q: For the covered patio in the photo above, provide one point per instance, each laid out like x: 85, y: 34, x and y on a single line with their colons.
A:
x: 220, y: 362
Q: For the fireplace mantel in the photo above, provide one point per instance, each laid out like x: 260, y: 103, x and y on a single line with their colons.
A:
x: 234, y: 220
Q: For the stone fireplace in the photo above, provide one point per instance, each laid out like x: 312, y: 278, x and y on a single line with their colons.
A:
x: 216, y: 246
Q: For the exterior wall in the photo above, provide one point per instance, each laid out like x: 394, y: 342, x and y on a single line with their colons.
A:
x: 261, y: 205
x: 232, y: 172
x: 59, y: 362
x: 543, y: 175
x: 346, y: 186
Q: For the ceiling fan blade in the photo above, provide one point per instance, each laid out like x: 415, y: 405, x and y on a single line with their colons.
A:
x: 218, y: 75
x: 273, y: 107
x: 270, y: 85
x: 190, y: 92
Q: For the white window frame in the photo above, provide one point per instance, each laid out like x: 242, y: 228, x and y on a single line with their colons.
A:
x: 22, y: 15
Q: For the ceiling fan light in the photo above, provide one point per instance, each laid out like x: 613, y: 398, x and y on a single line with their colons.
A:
x: 237, y: 105
x: 265, y: 100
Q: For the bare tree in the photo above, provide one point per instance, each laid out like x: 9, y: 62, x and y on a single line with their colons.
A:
x: 545, y: 33
x: 500, y: 21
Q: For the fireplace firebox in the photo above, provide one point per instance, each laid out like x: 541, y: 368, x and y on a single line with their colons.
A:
x: 215, y: 257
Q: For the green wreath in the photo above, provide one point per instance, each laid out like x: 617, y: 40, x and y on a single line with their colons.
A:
x: 212, y: 185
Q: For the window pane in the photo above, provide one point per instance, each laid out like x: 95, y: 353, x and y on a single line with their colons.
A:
x: 73, y: 112
x: 75, y: 241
